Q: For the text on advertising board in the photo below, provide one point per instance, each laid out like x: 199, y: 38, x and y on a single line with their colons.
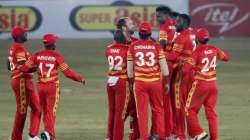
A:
x: 27, y: 17
x: 104, y: 17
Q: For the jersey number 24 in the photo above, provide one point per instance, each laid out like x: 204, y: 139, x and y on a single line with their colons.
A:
x: 208, y: 64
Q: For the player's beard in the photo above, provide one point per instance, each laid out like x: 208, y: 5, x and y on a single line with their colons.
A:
x: 160, y: 22
x: 24, y: 39
x: 131, y: 32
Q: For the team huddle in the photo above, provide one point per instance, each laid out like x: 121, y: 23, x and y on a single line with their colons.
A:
x: 175, y: 75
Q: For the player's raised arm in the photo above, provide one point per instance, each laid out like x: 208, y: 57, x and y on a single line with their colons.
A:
x: 67, y: 72
x: 223, y: 56
x: 163, y: 63
x: 163, y: 39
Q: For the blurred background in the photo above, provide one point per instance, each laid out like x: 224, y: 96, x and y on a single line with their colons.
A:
x: 85, y: 28
x: 95, y: 18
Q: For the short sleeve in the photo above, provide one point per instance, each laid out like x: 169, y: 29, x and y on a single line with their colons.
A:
x: 161, y: 53
x: 163, y: 35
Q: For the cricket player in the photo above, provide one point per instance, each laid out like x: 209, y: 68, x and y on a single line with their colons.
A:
x: 127, y: 26
x: 167, y: 27
x: 117, y: 86
x: 183, y: 48
x: 175, y: 17
x: 204, y: 88
x: 145, y: 62
x: 23, y: 87
x: 166, y: 36
x: 47, y: 62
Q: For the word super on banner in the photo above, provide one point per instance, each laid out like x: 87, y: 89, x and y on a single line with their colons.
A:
x: 78, y: 18
x: 222, y: 17
x: 101, y: 18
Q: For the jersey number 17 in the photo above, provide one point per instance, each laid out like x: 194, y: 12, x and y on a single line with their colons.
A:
x: 49, y: 66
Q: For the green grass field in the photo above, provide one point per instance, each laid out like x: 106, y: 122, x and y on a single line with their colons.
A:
x: 82, y: 110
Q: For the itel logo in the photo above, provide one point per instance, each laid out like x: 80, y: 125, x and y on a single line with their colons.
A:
x: 224, y: 15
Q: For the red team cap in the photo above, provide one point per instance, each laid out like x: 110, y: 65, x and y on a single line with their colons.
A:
x: 18, y: 31
x: 169, y: 22
x: 145, y: 28
x: 202, y: 34
x: 50, y: 38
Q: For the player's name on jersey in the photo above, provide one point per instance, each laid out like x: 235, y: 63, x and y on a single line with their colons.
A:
x: 115, y: 50
x: 47, y: 58
x: 149, y: 47
x: 208, y: 52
